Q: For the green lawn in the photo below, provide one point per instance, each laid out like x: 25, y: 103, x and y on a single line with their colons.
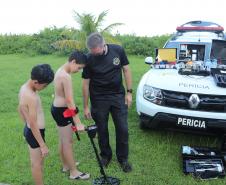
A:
x: 155, y: 155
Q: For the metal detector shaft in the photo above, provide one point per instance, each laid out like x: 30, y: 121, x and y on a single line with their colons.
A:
x: 75, y: 131
x: 98, y: 159
x: 103, y: 180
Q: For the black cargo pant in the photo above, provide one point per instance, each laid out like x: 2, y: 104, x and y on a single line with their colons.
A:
x: 100, y: 110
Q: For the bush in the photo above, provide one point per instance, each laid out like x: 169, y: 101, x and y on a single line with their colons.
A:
x: 14, y: 43
x: 41, y: 43
x: 65, y: 47
x: 144, y: 46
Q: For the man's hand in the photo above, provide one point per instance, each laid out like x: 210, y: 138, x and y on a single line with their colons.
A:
x: 87, y: 113
x: 44, y: 150
x: 128, y: 99
x: 80, y: 127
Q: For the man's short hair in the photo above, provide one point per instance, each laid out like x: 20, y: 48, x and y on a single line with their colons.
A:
x: 94, y: 40
x: 42, y: 73
x: 79, y: 57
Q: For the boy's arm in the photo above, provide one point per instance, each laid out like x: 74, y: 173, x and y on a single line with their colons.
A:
x: 68, y: 92
x: 32, y: 120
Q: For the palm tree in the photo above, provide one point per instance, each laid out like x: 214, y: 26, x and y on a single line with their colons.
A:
x: 88, y: 23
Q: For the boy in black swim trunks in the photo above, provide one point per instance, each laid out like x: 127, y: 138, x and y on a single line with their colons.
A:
x: 63, y: 100
x: 31, y: 112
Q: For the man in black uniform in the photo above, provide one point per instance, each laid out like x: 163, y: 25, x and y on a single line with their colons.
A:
x: 102, y: 81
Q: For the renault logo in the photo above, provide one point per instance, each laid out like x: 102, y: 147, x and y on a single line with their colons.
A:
x: 194, y: 101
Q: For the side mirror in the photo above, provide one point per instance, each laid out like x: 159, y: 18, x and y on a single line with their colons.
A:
x: 148, y: 60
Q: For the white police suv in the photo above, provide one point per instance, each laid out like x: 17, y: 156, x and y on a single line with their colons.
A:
x: 185, y: 87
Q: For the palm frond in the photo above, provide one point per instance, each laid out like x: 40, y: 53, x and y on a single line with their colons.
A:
x: 111, y: 26
x: 100, y: 19
x: 77, y: 17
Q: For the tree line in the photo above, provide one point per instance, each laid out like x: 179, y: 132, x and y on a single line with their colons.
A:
x: 62, y: 41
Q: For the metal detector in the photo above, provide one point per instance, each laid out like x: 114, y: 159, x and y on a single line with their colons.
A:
x: 104, y: 179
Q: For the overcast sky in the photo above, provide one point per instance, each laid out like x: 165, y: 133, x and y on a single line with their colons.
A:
x: 141, y: 17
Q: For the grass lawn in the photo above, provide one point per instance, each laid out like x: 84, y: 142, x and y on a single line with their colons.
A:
x: 155, y: 155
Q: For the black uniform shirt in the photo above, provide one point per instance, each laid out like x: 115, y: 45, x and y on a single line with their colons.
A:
x: 105, y: 72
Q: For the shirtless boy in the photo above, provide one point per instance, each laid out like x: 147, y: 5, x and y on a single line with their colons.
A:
x: 64, y: 100
x: 31, y: 112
